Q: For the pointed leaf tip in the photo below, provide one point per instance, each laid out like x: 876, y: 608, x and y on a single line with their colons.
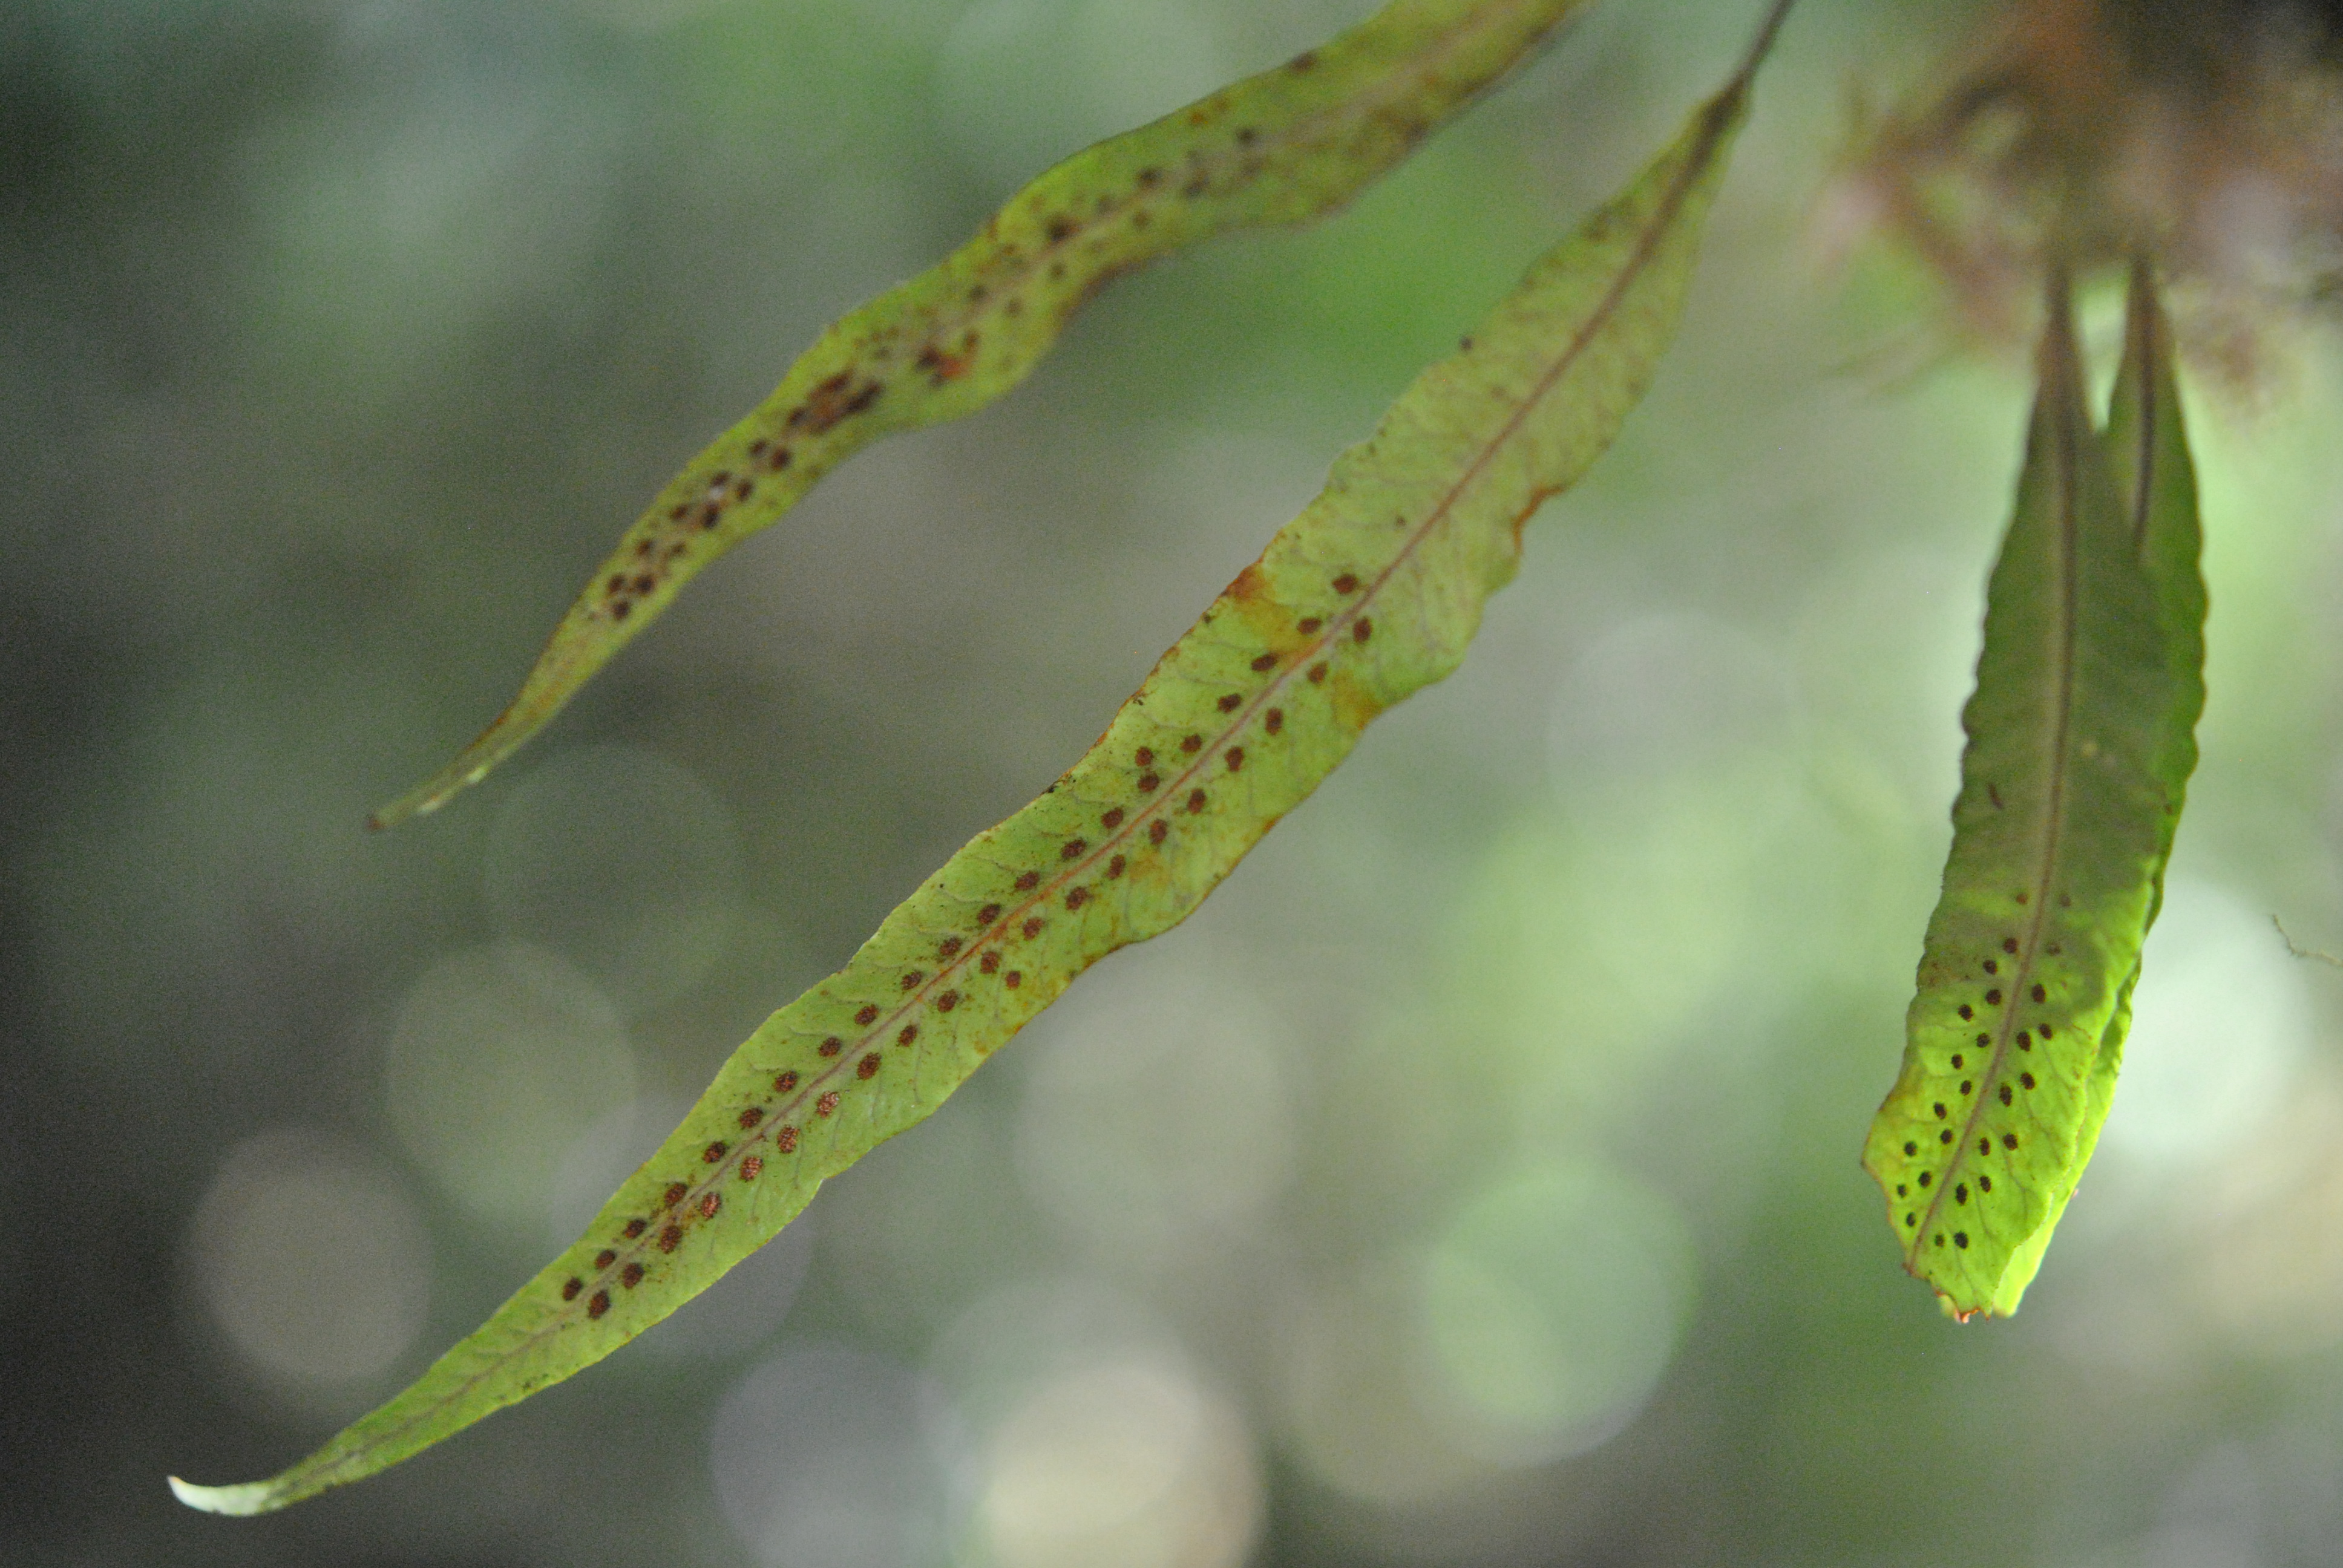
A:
x: 240, y: 1501
x: 427, y: 797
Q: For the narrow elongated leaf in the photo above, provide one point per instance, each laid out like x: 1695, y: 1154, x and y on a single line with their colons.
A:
x: 1282, y: 148
x: 2147, y: 449
x: 1371, y: 593
x: 2081, y: 740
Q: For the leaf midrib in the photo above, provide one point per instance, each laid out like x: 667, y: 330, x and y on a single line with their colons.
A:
x: 2054, y: 806
x: 2151, y: 415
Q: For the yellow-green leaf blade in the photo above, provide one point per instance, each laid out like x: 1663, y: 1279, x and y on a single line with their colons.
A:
x: 1370, y: 595
x: 1282, y: 147
x: 2080, y: 744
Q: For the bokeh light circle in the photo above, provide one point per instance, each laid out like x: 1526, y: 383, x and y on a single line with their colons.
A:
x: 1552, y: 1302
x: 824, y: 1457
x: 501, y: 1057
x: 311, y: 1260
x: 623, y: 863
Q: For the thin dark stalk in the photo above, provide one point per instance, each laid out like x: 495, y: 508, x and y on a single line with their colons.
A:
x: 1763, y: 44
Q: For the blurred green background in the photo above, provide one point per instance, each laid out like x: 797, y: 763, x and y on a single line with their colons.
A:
x: 1472, y: 1180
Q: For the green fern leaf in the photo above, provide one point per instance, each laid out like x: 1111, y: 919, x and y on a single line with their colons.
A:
x: 1282, y: 148
x: 2081, y: 741
x: 2148, y: 451
x: 1371, y: 593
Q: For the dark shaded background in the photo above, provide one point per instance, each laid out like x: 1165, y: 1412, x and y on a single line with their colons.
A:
x: 1472, y: 1180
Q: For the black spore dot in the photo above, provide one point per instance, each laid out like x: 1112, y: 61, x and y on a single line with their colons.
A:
x: 1960, y: 1238
x: 1924, y: 1178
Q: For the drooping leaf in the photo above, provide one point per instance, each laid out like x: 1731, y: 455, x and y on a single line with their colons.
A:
x: 2147, y: 448
x: 1372, y: 593
x: 2081, y: 740
x: 1286, y: 146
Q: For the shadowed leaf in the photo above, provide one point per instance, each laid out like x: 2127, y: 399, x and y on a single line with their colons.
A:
x: 1282, y: 148
x: 1371, y: 593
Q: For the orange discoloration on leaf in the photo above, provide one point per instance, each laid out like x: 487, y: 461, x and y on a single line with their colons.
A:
x: 1356, y: 706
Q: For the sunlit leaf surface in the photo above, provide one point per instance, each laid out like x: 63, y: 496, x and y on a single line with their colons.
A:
x: 2081, y: 741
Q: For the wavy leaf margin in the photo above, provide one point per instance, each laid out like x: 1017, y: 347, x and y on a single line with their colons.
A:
x: 1286, y: 147
x: 1371, y: 593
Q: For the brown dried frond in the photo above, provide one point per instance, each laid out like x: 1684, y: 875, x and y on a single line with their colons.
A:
x: 2208, y: 133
